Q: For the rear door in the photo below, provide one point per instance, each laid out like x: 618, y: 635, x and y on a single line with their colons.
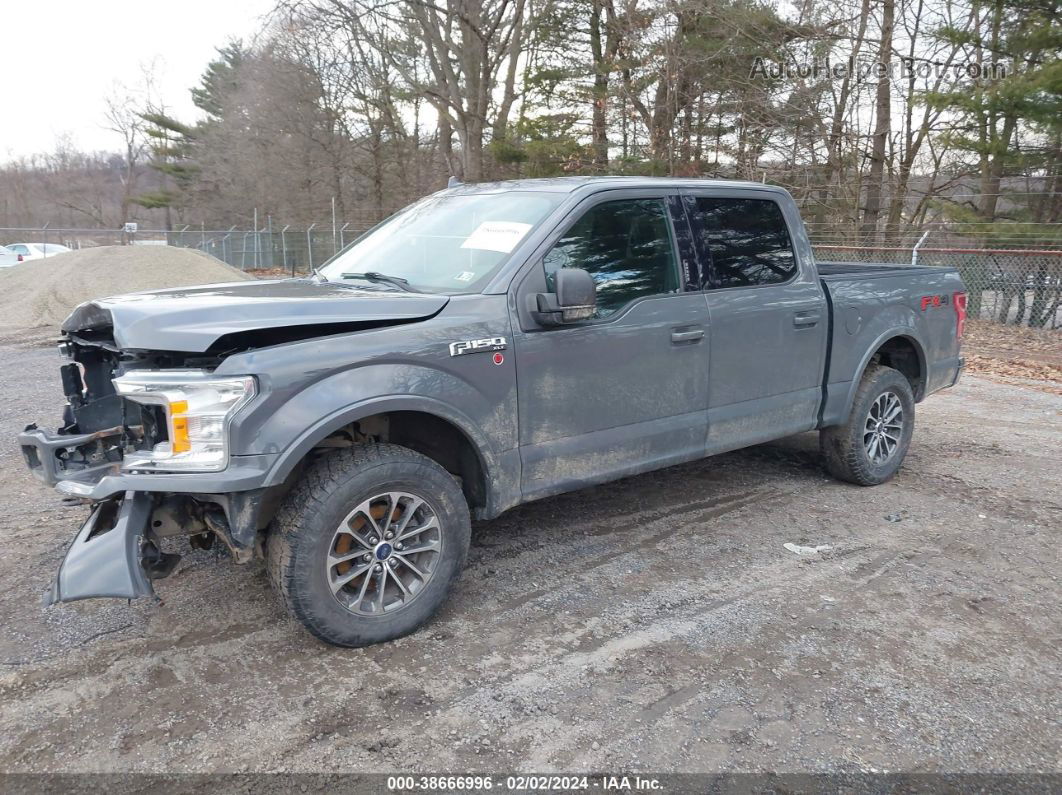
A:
x: 768, y: 315
x: 625, y: 391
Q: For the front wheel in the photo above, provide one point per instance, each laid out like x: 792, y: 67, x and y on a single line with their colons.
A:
x: 369, y: 543
x: 870, y: 447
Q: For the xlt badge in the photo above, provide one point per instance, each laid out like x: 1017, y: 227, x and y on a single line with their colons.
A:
x: 478, y: 346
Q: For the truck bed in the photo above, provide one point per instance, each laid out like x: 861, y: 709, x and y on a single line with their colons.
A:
x: 870, y: 302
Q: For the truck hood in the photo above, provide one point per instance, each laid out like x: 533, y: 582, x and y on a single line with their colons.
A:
x: 192, y: 319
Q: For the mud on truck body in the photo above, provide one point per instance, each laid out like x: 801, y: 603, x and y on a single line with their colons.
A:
x: 490, y: 345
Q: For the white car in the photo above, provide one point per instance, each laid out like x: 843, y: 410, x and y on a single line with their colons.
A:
x: 9, y: 257
x: 37, y: 250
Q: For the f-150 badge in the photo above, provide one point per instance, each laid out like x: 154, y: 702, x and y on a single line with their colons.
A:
x: 478, y: 346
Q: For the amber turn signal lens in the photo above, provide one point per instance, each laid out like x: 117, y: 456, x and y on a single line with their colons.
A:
x: 179, y: 441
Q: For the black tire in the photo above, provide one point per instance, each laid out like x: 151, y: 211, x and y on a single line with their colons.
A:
x: 304, y: 530
x: 843, y: 448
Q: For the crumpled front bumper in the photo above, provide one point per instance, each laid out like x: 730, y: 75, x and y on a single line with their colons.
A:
x: 41, y: 449
x: 106, y: 480
x: 104, y: 559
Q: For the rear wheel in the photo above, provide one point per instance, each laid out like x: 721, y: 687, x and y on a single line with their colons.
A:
x: 367, y: 546
x: 870, y: 447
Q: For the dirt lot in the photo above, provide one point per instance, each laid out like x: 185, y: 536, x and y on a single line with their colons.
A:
x: 1015, y: 355
x: 657, y: 624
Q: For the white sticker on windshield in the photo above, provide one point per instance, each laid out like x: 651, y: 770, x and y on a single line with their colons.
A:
x: 465, y: 276
x: 496, y: 236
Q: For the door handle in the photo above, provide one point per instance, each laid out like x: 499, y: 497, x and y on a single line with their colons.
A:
x: 687, y: 336
x: 806, y: 319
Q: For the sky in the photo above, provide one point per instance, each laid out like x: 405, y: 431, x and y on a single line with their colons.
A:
x: 62, y: 58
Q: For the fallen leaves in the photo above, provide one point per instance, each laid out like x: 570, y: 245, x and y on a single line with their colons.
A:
x: 1015, y: 354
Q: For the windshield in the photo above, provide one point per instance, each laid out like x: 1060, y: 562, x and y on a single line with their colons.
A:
x: 446, y: 244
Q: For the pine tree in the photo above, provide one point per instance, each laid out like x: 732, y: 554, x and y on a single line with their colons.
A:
x: 1014, y: 92
x: 173, y: 143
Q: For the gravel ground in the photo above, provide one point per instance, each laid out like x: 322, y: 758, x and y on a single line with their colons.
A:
x: 657, y: 623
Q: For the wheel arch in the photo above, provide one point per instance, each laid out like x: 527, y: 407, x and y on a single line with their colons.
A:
x: 428, y: 426
x: 899, y: 349
x: 904, y: 354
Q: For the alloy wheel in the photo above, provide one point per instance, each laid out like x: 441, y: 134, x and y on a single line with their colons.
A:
x: 384, y: 553
x: 883, y: 428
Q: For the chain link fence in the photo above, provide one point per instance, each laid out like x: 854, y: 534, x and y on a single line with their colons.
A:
x: 1015, y: 286
x: 294, y: 251
x: 291, y: 250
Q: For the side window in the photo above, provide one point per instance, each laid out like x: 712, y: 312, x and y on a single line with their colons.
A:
x: 748, y: 241
x: 625, y: 246
x: 19, y: 249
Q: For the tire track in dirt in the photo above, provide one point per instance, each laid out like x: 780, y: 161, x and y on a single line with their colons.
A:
x: 718, y: 507
x: 240, y: 632
x: 389, y: 676
x: 545, y: 679
x: 576, y: 647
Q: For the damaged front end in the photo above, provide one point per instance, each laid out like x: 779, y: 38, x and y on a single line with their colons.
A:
x: 145, y: 436
x: 106, y: 558
x: 101, y: 428
x: 117, y: 553
x: 144, y: 442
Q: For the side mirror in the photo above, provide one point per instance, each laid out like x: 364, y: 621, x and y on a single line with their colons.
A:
x: 574, y: 298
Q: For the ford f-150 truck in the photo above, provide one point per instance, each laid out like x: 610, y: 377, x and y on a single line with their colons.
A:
x: 489, y: 345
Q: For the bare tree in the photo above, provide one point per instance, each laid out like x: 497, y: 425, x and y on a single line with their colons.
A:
x: 123, y: 117
x: 882, y: 121
x: 470, y: 51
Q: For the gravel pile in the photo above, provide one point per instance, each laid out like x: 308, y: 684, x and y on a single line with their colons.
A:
x: 41, y: 293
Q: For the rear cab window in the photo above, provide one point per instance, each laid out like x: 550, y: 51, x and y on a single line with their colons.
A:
x: 746, y: 241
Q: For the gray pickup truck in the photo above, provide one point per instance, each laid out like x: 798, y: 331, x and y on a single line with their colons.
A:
x: 489, y: 345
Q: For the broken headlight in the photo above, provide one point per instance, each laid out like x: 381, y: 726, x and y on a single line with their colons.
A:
x: 198, y: 408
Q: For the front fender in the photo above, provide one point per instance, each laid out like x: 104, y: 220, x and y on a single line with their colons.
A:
x: 470, y: 393
x: 332, y: 422
x: 311, y: 388
x: 475, y: 394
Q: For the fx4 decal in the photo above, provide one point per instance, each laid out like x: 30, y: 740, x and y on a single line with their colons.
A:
x: 478, y: 346
x: 933, y: 301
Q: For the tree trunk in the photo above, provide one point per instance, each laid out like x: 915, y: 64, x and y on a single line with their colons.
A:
x: 882, y: 124
x: 834, y: 157
x: 446, y: 147
x: 992, y: 173
x: 471, y: 137
x: 599, y: 95
x: 378, y: 172
x: 512, y: 52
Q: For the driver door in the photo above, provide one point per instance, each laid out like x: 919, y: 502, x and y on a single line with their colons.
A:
x: 627, y: 390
